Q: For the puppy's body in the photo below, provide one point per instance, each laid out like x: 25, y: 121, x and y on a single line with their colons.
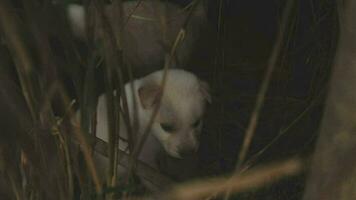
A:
x: 151, y: 146
x: 148, y: 36
x: 177, y: 125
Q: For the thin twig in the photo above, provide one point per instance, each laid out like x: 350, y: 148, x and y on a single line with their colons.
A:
x: 264, y: 86
x: 130, y: 15
x: 272, y: 62
x: 168, y: 63
x: 254, y: 178
x: 23, y: 62
x: 253, y: 158
x: 84, y: 145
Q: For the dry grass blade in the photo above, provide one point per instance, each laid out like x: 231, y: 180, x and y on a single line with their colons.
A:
x: 15, y: 188
x: 23, y: 61
x: 119, y: 10
x: 144, y: 171
x: 250, y: 131
x: 168, y: 63
x: 264, y: 86
x: 82, y: 140
x: 253, y: 179
x: 31, y: 91
x: 130, y: 15
x: 255, y: 157
x: 112, y: 60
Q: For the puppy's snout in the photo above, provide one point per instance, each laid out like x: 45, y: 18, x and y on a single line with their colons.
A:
x: 187, y: 151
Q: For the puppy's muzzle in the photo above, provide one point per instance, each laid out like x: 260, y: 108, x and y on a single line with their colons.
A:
x: 187, y: 151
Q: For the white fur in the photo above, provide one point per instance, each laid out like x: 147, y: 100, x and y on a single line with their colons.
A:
x: 182, y: 95
x: 77, y: 15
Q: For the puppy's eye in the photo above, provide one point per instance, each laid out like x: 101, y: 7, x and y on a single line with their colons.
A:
x: 196, y: 123
x: 167, y: 127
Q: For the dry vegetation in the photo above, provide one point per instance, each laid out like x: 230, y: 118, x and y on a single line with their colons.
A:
x: 46, y: 74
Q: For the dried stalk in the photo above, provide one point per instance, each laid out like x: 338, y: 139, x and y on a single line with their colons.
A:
x: 168, y: 62
x: 282, y: 132
x: 84, y: 145
x: 264, y: 86
x: 272, y: 62
x: 239, y: 183
x: 23, y: 62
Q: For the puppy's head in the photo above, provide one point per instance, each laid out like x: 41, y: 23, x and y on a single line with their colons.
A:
x: 179, y: 120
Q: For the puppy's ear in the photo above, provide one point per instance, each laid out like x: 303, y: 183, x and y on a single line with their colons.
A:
x: 149, y: 95
x: 205, y: 90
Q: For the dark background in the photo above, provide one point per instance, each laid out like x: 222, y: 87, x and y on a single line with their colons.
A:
x: 233, y: 59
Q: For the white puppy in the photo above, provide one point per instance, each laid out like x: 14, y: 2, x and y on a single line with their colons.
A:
x: 178, y: 123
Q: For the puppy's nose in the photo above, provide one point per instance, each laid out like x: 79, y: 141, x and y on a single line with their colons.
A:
x: 184, y: 152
